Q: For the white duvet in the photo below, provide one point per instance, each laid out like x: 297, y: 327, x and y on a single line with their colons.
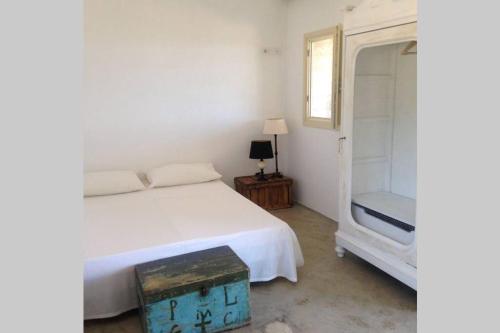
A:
x: 126, y: 229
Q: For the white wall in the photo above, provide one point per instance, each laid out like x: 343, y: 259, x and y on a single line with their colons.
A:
x: 385, y: 121
x: 404, y: 149
x: 373, y: 119
x: 171, y: 81
x: 312, y: 160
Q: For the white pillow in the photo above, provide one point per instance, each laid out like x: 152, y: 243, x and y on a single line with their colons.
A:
x: 182, y: 174
x: 111, y: 182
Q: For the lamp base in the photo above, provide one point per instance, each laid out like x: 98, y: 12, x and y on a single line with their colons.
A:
x: 260, y: 176
x: 277, y: 175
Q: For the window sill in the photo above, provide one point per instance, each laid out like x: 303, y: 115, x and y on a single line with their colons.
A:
x: 321, y: 123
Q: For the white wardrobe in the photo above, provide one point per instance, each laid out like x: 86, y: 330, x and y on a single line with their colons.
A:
x: 378, y: 148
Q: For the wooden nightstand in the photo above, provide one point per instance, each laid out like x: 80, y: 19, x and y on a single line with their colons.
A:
x: 274, y: 193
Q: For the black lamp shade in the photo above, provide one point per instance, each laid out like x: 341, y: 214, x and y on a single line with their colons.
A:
x: 261, y: 150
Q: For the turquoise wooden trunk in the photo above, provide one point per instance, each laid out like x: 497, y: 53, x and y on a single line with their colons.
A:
x: 204, y: 291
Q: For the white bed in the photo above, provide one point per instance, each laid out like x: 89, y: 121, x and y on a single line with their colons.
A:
x: 126, y: 229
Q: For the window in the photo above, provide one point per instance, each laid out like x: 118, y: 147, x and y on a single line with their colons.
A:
x: 322, y: 79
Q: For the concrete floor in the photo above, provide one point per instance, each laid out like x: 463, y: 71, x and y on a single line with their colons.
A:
x: 333, y: 294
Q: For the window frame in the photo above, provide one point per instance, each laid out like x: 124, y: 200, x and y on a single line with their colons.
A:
x: 334, y: 121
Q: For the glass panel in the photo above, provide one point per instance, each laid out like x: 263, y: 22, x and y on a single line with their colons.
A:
x: 321, y: 78
x: 384, y: 140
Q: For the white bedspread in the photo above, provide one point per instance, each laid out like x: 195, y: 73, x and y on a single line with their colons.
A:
x: 126, y: 229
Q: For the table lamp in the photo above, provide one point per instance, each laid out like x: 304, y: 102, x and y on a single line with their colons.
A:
x: 260, y: 150
x: 275, y: 126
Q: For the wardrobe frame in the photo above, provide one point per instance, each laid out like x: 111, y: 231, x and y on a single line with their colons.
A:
x: 373, y: 23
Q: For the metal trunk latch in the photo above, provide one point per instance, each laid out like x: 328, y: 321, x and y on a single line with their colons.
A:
x: 204, y: 291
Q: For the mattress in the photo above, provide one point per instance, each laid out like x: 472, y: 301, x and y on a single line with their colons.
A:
x: 127, y: 229
x: 395, y: 206
x: 387, y: 213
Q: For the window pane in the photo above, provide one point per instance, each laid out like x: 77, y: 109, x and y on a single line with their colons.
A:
x: 321, y: 78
